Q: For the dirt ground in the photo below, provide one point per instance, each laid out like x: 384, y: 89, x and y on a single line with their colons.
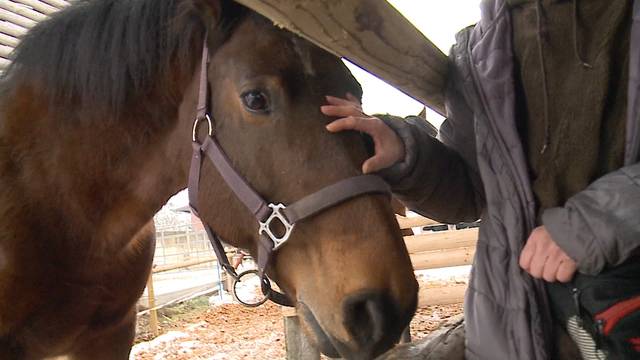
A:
x: 231, y: 331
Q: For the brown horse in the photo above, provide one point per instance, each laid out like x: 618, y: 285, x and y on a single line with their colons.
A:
x: 96, y: 114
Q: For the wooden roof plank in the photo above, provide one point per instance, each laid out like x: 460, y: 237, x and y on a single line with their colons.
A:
x: 4, y: 63
x: 22, y: 10
x: 5, y: 51
x: 12, y: 29
x: 371, y: 34
x: 39, y: 6
x: 8, y: 40
x: 16, y: 19
x: 56, y: 3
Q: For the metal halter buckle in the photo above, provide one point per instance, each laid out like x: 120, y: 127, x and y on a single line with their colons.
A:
x: 265, y: 226
x: 196, y: 122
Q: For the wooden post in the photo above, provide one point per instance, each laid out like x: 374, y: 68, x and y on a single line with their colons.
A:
x: 371, y: 34
x: 446, y: 343
x: 153, y: 313
x: 297, y: 344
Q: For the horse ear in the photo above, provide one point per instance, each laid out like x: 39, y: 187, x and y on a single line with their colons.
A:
x: 423, y: 113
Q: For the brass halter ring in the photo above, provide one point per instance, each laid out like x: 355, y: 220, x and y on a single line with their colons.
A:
x: 197, y: 121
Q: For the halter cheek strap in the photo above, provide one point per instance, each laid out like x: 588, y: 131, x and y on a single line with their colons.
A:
x: 265, y: 213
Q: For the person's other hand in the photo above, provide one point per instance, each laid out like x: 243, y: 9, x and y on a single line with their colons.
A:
x: 542, y: 258
x: 389, y: 148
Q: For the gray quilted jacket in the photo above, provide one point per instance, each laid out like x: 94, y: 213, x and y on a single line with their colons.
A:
x: 478, y: 169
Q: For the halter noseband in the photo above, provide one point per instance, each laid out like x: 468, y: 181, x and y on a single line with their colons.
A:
x: 265, y: 213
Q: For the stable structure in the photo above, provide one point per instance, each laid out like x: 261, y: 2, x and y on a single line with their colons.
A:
x: 369, y: 33
x: 373, y: 35
x: 18, y: 16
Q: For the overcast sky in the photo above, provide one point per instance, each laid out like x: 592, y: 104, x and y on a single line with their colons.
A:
x: 439, y: 21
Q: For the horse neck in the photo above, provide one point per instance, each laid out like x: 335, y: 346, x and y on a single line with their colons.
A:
x: 88, y: 184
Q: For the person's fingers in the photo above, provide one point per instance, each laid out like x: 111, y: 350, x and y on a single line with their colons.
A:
x: 340, y: 101
x: 352, y: 98
x: 537, y: 265
x: 375, y: 163
x: 551, y: 267
x: 341, y: 110
x: 527, y: 255
x: 352, y: 123
x: 351, y: 101
x: 389, y: 148
x: 566, y: 270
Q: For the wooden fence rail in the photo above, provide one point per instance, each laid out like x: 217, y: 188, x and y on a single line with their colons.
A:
x: 151, y: 301
x: 16, y: 17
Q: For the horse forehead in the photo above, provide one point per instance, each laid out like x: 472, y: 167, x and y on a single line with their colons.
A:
x: 304, y: 52
x: 264, y: 45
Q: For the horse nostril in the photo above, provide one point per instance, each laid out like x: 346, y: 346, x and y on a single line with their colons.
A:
x: 366, y: 317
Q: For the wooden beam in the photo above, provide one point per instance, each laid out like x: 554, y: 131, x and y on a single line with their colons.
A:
x: 8, y: 40
x: 16, y: 19
x: 441, y: 240
x: 288, y: 311
x: 298, y: 347
x: 39, y: 6
x: 22, y: 10
x: 371, y: 34
x: 441, y: 295
x: 4, y: 63
x: 410, y: 222
x: 441, y: 259
x: 163, y: 268
x: 11, y: 29
x: 5, y: 51
x: 57, y: 3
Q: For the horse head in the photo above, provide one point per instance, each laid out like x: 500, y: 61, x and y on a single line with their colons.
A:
x: 346, y: 268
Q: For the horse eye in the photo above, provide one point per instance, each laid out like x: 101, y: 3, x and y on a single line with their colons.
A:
x: 255, y: 101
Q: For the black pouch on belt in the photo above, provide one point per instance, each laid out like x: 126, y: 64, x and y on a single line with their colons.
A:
x: 607, y: 306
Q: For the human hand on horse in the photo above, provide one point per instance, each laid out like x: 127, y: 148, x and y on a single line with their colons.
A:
x: 542, y: 258
x: 389, y: 149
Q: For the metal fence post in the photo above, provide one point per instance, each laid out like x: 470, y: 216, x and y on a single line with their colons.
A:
x: 220, y: 286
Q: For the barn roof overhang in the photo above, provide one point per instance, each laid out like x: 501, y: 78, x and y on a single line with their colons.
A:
x: 371, y: 34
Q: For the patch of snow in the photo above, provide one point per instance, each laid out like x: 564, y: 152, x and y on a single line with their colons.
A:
x: 160, y: 342
x: 188, y: 346
x: 451, y: 274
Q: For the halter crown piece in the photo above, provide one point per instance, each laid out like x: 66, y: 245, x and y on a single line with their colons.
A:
x: 265, y: 213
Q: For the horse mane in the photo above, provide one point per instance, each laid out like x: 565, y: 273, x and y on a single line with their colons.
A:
x: 109, y: 54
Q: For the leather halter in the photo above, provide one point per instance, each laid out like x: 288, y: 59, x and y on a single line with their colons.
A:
x: 264, y: 212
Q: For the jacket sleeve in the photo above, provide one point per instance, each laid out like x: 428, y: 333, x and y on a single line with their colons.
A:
x: 438, y: 177
x: 600, y: 226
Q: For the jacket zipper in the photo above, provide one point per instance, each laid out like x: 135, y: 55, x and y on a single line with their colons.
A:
x: 608, y: 319
x: 575, y: 295
x: 546, y: 317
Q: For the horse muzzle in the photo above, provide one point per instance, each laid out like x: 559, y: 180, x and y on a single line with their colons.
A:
x: 371, y: 320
